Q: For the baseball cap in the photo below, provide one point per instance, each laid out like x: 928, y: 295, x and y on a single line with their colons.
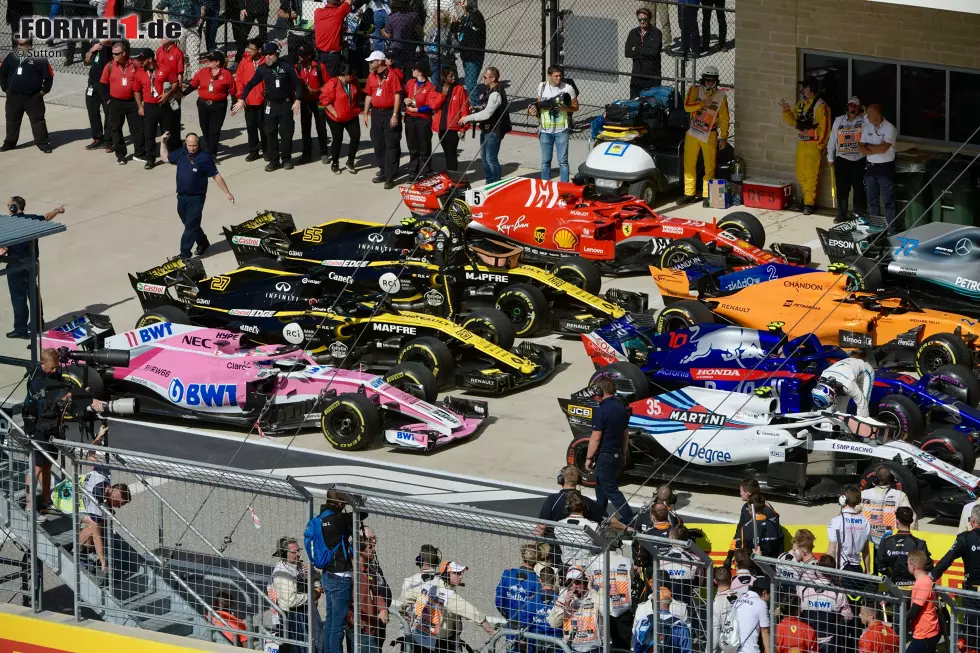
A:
x: 270, y: 48
x: 854, y: 100
x: 305, y: 49
x: 377, y: 55
x: 143, y: 53
x: 810, y: 83
x: 453, y: 567
x: 574, y: 573
x: 214, y: 55
x: 760, y: 585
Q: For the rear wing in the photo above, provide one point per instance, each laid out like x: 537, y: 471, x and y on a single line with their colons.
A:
x: 151, y: 286
x: 434, y: 192
x: 246, y: 239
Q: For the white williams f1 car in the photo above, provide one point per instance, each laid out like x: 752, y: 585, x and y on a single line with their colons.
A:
x: 714, y: 437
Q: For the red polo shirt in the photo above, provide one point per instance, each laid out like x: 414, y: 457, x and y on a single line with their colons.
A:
x: 150, y: 84
x: 328, y: 21
x: 243, y: 75
x: 313, y: 77
x: 382, y: 91
x: 425, y: 95
x: 121, y: 79
x: 214, y: 87
x: 172, y: 57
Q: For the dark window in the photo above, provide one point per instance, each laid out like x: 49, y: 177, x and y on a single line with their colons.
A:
x: 876, y: 83
x: 923, y: 103
x: 831, y: 72
x: 964, y: 107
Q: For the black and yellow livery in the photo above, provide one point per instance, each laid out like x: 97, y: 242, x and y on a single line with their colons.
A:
x: 343, y: 327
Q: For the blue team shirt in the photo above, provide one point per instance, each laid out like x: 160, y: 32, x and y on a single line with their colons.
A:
x: 612, y: 418
x: 192, y: 176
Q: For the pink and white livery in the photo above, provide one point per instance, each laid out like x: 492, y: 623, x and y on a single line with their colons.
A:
x: 212, y: 375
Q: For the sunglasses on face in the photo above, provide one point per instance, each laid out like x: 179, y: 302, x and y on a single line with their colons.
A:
x: 643, y: 20
x: 117, y: 54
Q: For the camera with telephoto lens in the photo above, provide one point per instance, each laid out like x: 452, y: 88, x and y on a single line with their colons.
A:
x: 553, y: 104
x: 100, y: 358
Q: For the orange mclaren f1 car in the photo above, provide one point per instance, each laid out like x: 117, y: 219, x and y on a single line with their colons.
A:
x: 888, y: 324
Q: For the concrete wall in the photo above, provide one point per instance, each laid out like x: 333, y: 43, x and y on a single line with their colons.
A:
x: 771, y: 34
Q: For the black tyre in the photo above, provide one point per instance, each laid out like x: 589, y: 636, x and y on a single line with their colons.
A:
x: 414, y: 378
x: 628, y: 379
x: 902, y: 412
x: 903, y: 478
x: 163, y: 314
x: 942, y: 349
x: 683, y: 314
x: 958, y: 382
x: 491, y: 324
x: 84, y: 378
x: 643, y: 190
x: 351, y: 422
x: 746, y: 226
x: 578, y: 451
x: 433, y: 354
x: 862, y: 274
x: 526, y: 307
x: 580, y: 272
x: 679, y: 252
x: 951, y: 446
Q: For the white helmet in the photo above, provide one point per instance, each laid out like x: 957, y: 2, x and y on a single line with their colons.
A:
x: 710, y: 71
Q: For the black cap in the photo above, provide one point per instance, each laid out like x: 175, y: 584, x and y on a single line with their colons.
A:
x: 143, y: 53
x: 270, y: 48
x: 214, y: 55
x: 305, y: 50
x: 810, y: 83
x: 760, y: 585
x: 423, y: 67
x: 391, y: 55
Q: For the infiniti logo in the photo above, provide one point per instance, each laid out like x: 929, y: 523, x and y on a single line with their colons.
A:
x: 282, y: 286
x: 963, y: 246
x: 375, y: 237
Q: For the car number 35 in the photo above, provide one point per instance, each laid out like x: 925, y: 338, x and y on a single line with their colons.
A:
x: 653, y: 407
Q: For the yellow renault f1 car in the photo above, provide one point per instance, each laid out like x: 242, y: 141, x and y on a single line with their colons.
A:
x: 889, y: 322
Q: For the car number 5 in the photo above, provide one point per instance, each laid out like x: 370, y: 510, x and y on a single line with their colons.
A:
x: 477, y: 197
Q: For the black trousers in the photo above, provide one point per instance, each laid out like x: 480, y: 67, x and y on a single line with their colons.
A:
x: 33, y: 106
x: 706, y: 23
x: 310, y: 113
x: 418, y: 135
x: 241, y: 29
x: 849, y: 176
x: 279, y: 127
x: 450, y: 147
x: 387, y: 141
x: 353, y: 128
x: 98, y: 114
x: 687, y: 16
x: 158, y: 119
x: 331, y: 60
x: 255, y: 126
x: 125, y: 110
x: 212, y: 117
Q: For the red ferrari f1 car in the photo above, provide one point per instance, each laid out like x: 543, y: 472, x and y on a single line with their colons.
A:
x: 553, y: 220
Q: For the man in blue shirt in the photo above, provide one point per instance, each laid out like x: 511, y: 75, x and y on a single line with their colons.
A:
x: 607, y: 449
x: 194, y: 167
x: 19, y: 282
x: 533, y: 615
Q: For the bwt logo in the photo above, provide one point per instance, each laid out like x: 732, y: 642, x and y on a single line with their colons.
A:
x: 97, y: 29
x: 208, y: 394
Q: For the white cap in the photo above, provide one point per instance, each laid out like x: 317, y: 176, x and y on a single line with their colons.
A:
x: 454, y: 567
x: 854, y: 100
x: 377, y: 55
x: 574, y: 573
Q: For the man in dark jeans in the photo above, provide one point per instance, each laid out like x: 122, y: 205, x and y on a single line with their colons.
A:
x: 607, y: 448
x: 687, y: 16
x: 338, y: 533
x: 19, y: 282
x: 706, y: 24
x: 877, y: 144
x: 245, y: 13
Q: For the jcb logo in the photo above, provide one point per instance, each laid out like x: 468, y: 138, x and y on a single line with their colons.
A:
x: 313, y: 235
x: 580, y: 411
x: 220, y: 282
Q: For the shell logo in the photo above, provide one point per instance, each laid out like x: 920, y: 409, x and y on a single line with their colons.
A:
x: 564, y: 238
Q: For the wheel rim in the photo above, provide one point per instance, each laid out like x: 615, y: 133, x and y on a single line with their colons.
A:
x: 147, y: 320
x: 891, y: 419
x: 933, y: 358
x: 517, y: 313
x: 411, y: 386
x: 580, y: 455
x: 343, y: 426
x: 675, y: 323
x: 415, y: 356
x: 677, y: 257
x: 853, y: 282
x: 648, y: 195
x: 572, y: 276
x: 943, y: 453
x: 738, y: 232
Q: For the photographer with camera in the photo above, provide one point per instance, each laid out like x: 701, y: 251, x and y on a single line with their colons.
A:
x: 49, y: 398
x: 494, y: 121
x: 556, y: 100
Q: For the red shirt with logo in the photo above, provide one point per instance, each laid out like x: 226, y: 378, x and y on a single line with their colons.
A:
x: 172, y: 57
x: 121, y: 79
x: 314, y: 77
x: 243, y: 75
x: 214, y: 87
x: 346, y: 102
x: 150, y: 83
x: 452, y: 108
x: 382, y: 91
x: 328, y: 21
x: 425, y: 95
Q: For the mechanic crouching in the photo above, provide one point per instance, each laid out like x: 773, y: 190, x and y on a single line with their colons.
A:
x: 847, y: 379
x: 443, y: 239
x: 48, y: 398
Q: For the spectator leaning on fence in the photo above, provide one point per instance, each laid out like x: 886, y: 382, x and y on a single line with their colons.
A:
x: 232, y: 628
x: 620, y: 594
x: 435, y: 611
x: 292, y: 590
x: 878, y: 637
x: 372, y: 609
x: 827, y: 610
x: 517, y: 585
x: 556, y: 101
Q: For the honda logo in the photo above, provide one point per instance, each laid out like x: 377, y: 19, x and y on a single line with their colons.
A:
x: 376, y: 237
x: 282, y: 286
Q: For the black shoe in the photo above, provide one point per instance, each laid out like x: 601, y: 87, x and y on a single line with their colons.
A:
x: 252, y: 157
x: 335, y: 169
x: 6, y: 147
x: 324, y: 159
x: 288, y: 164
x: 149, y: 165
x: 688, y: 199
x: 266, y: 157
x: 378, y: 178
x: 46, y: 149
x: 273, y: 165
x: 303, y: 160
x: 839, y: 219
x: 350, y: 168
x: 199, y: 251
x: 95, y: 145
x: 20, y: 335
x: 808, y: 209
x: 120, y: 162
x: 389, y: 185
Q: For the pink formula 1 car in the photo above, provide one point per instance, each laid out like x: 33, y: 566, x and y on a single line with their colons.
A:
x: 212, y: 375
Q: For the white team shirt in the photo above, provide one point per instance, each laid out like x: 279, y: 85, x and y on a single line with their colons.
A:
x: 753, y: 615
x: 851, y: 531
x: 570, y: 555
x: 883, y: 133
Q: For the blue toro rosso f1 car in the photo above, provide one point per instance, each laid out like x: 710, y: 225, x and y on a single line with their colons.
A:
x: 937, y: 410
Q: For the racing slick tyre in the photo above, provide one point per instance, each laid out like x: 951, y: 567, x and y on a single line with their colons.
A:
x: 433, y: 354
x: 942, y: 349
x: 85, y: 378
x: 958, y: 382
x: 580, y: 272
x: 862, y: 274
x: 414, y: 378
x: 903, y: 477
x: 351, y: 422
x: 643, y: 190
x: 900, y: 411
x: 628, y: 378
x: 680, y: 251
x: 577, y: 452
x: 950, y: 446
x: 526, y: 307
x: 162, y: 314
x: 491, y: 324
x: 746, y: 226
x: 683, y: 314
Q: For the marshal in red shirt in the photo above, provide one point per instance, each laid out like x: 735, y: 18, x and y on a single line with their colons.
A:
x: 172, y: 57
x: 328, y: 21
x: 313, y: 77
x: 214, y: 87
x: 382, y: 91
x: 121, y: 79
x: 150, y: 84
